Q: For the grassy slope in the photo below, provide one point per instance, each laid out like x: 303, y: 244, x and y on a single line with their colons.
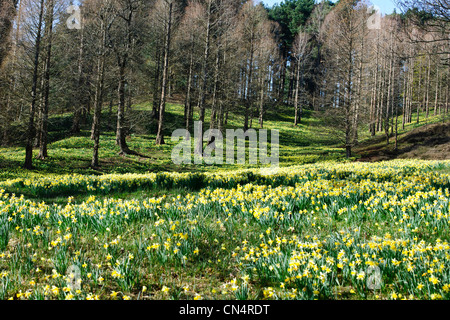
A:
x: 427, y: 142
x: 309, y: 142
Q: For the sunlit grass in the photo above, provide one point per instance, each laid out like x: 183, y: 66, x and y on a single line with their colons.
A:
x: 308, y: 232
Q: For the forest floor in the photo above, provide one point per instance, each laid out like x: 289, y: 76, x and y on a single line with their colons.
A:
x: 309, y: 142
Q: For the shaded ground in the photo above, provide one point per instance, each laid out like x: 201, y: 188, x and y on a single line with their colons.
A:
x: 431, y: 142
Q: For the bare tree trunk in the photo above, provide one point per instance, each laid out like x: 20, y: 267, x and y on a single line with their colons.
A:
x: 297, y: 87
x: 221, y: 103
x: 381, y: 90
x: 427, y: 106
x: 379, y: 105
x: 394, y: 97
x: 202, y: 97
x: 388, y: 102
x: 261, y: 100
x: 121, y: 130
x: 156, y: 82
x: 291, y: 86
x: 122, y: 59
x: 404, y: 103
x: 31, y: 130
x: 44, y: 120
x: 162, y: 106
x: 169, y: 83
x: 249, y: 93
x: 212, y: 124
x: 201, y: 101
x: 374, y: 100
x: 372, y: 125
x: 79, y: 104
x: 408, y: 95
x: 359, y: 97
x: 99, y: 99
x: 440, y: 91
x: 396, y: 128
x: 348, y: 103
x: 437, y: 90
x: 213, y: 120
x: 409, y: 85
x: 418, y: 92
x: 188, y: 102
x: 396, y: 102
x: 282, y: 77
x: 40, y: 107
x: 447, y: 90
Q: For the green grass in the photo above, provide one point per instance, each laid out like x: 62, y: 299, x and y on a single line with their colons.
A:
x: 256, y: 230
x: 309, y: 142
x: 73, y: 153
x: 216, y: 227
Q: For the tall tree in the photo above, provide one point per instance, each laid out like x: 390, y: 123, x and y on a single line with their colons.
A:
x: 162, y: 106
x: 252, y: 29
x: 46, y: 80
x: 31, y: 129
x: 7, y: 14
x: 123, y: 37
x: 300, y: 55
x: 343, y: 31
x: 102, y: 18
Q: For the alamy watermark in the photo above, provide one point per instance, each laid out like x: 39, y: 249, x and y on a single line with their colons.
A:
x: 374, y: 21
x: 374, y: 281
x: 74, y: 20
x: 73, y: 274
x: 213, y: 153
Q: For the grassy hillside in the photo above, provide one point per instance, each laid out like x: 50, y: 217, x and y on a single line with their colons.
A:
x: 310, y: 142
